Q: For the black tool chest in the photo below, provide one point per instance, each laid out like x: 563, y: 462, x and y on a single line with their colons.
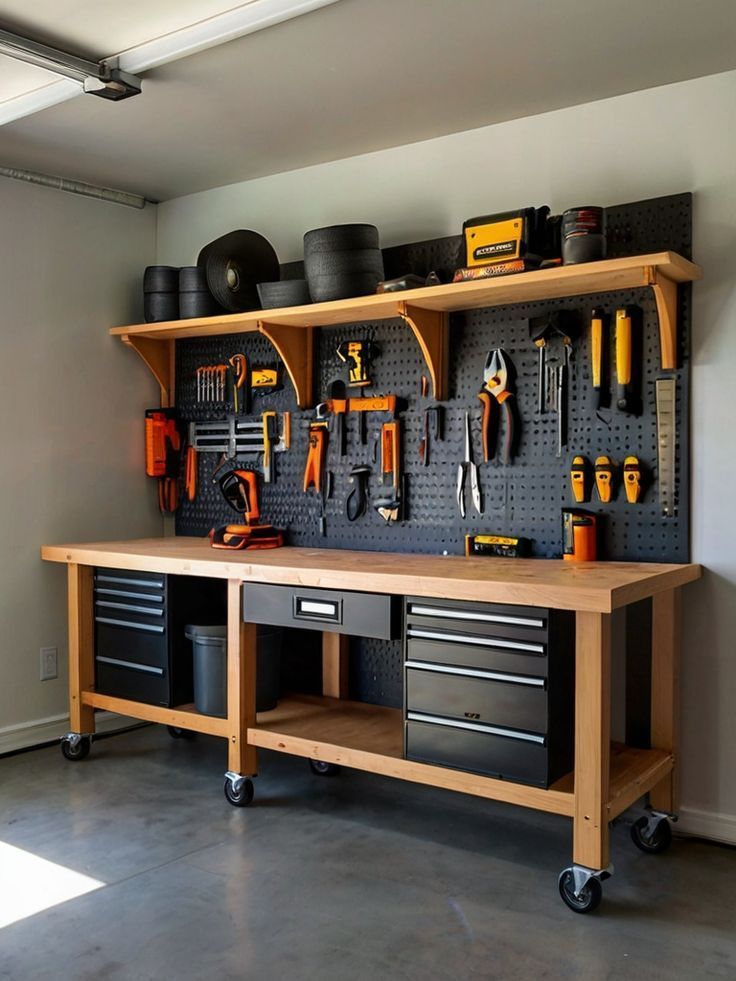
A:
x: 488, y: 688
x: 141, y: 652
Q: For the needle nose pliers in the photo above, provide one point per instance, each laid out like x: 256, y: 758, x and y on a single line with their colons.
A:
x: 465, y: 469
x: 496, y: 380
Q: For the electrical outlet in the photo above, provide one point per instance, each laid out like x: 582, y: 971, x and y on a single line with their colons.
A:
x: 49, y: 663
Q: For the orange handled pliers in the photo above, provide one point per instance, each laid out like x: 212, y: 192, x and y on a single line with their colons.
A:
x: 496, y: 379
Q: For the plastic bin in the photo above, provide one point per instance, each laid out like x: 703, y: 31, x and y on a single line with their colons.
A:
x: 209, y: 647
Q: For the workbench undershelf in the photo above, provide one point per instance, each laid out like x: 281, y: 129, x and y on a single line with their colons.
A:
x: 181, y: 716
x: 370, y: 737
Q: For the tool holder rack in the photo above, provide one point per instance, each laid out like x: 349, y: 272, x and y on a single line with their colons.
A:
x: 455, y: 325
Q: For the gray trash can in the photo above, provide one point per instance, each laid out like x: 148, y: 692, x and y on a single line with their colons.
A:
x: 209, y: 648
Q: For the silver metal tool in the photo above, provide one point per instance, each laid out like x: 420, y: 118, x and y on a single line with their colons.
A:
x: 666, y: 398
x: 232, y: 436
x: 465, y: 469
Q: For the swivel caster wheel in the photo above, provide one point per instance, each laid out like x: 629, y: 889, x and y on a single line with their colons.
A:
x: 177, y: 733
x: 75, y: 747
x: 238, y: 790
x: 321, y: 769
x: 652, y: 835
x: 580, y: 889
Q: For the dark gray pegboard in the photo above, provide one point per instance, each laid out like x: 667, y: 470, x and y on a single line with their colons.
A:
x: 524, y: 498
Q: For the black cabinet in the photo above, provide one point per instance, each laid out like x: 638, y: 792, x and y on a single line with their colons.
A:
x: 141, y: 652
x: 489, y: 688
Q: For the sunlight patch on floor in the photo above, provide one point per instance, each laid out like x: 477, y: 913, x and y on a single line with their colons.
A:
x: 30, y: 884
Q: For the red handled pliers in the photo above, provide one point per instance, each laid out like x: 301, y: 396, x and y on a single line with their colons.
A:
x: 496, y: 374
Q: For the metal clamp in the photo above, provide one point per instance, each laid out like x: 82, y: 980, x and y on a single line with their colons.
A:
x: 236, y: 781
x: 581, y: 876
x: 74, y: 738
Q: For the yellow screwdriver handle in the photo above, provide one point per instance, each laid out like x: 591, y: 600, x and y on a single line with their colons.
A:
x: 623, y: 347
x: 596, y: 345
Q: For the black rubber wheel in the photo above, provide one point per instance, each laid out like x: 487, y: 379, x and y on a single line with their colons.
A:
x: 76, y: 751
x: 321, y: 769
x: 653, y: 844
x: 243, y: 796
x: 588, y: 900
x: 176, y: 733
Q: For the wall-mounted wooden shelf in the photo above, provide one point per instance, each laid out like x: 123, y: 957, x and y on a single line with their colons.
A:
x: 425, y: 311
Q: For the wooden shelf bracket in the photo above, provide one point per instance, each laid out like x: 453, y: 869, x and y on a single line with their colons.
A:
x: 295, y: 347
x: 159, y: 358
x: 665, y: 295
x: 430, y: 327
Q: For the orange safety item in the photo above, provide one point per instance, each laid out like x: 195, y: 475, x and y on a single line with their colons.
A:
x: 579, y: 536
x: 163, y: 443
x: 315, y: 456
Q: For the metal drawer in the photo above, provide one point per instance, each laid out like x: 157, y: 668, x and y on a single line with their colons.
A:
x: 483, y: 653
x: 494, y: 698
x: 117, y: 640
x: 336, y: 611
x: 523, y: 624
x: 480, y: 749
x: 128, y: 680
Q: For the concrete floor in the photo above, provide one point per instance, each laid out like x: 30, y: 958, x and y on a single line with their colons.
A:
x: 352, y: 878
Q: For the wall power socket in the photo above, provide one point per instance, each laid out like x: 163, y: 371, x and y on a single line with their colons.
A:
x: 49, y: 663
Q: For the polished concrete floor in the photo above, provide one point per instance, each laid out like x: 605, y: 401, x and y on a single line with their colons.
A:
x: 350, y: 878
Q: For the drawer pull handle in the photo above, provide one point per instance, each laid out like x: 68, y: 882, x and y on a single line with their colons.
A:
x: 129, y: 606
x: 477, y: 641
x: 149, y: 597
x: 436, y: 611
x: 155, y: 583
x: 306, y: 608
x: 152, y: 628
x: 146, y: 668
x: 527, y: 737
x: 517, y: 679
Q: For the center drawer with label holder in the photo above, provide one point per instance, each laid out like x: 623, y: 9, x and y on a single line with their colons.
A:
x: 489, y: 688
x: 139, y: 617
x: 344, y: 611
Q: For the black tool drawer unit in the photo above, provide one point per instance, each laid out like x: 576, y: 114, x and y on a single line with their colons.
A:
x: 336, y: 611
x: 141, y: 652
x: 489, y: 688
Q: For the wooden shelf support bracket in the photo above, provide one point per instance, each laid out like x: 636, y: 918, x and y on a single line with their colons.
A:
x: 159, y: 358
x: 665, y: 295
x: 295, y: 347
x: 430, y: 327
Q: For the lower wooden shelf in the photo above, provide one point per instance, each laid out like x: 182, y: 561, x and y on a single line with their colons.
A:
x: 181, y: 716
x: 370, y: 737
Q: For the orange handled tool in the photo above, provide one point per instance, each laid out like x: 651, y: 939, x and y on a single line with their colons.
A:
x: 485, y: 424
x: 391, y: 453
x: 316, y: 451
x: 190, y: 473
x: 596, y: 351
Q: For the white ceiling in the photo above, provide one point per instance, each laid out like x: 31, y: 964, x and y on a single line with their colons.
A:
x: 357, y: 76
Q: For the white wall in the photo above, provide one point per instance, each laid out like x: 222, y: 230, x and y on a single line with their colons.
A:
x: 666, y: 140
x: 71, y: 407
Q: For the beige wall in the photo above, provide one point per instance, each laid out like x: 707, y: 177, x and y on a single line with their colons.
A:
x: 71, y: 405
x: 666, y: 140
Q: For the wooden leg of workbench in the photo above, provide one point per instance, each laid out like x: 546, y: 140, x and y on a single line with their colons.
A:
x: 335, y: 651
x: 241, y: 684
x: 592, y: 739
x: 81, y: 647
x: 665, y: 693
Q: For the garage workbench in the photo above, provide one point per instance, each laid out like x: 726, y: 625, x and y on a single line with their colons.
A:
x: 606, y: 779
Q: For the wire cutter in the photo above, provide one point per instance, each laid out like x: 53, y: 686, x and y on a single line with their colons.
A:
x: 467, y: 467
x: 496, y: 373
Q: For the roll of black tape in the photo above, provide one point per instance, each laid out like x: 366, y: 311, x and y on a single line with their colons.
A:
x: 284, y: 293
x: 235, y: 263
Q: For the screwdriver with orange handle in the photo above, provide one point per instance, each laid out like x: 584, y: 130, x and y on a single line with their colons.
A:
x: 597, y: 351
x: 624, y: 361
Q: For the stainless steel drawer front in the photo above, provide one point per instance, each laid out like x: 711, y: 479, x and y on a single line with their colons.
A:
x: 145, y: 668
x: 528, y: 737
x: 128, y: 606
x: 474, y: 673
x: 477, y: 641
x: 479, y: 617
x: 153, y: 628
x: 126, y: 594
x: 154, y: 583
